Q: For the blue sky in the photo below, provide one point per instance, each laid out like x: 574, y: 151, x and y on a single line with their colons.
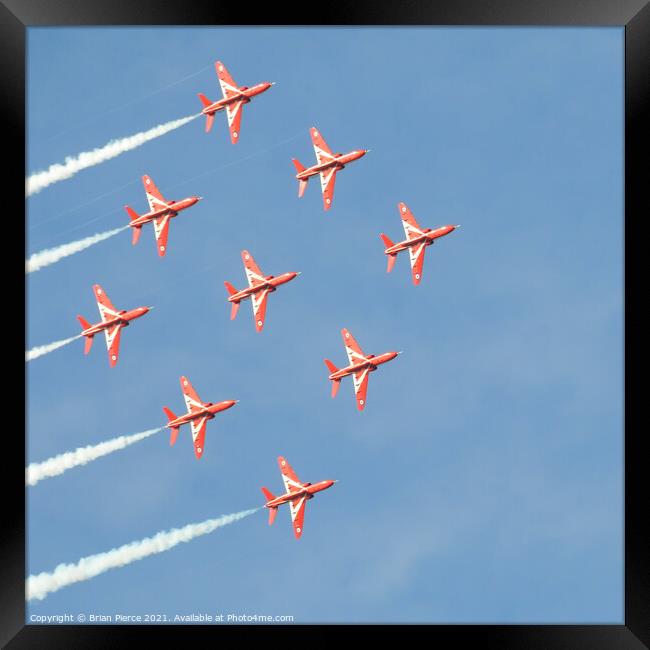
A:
x: 484, y: 480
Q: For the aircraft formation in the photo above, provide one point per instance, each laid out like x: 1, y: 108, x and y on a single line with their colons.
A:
x: 162, y: 211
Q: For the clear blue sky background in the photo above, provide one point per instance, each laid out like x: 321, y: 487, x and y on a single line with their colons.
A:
x: 483, y: 482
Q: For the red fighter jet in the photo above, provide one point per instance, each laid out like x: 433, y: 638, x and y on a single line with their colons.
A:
x: 111, y: 324
x: 328, y: 164
x: 259, y: 287
x: 360, y: 367
x: 234, y: 98
x: 296, y: 496
x: 160, y: 212
x: 198, y: 414
x: 416, y: 242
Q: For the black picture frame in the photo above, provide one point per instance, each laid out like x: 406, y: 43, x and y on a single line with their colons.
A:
x: 634, y: 15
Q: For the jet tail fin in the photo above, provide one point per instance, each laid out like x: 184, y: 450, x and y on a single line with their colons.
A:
x: 273, y: 511
x: 302, y: 183
x: 268, y: 494
x: 169, y: 413
x: 136, y: 235
x: 234, y: 305
x: 335, y: 382
x: 391, y: 256
x: 204, y: 100
x: 131, y: 212
x: 84, y: 323
x: 89, y: 339
x: 330, y: 365
x: 174, y: 430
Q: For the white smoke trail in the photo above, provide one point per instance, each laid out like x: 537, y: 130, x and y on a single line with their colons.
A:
x: 40, y: 350
x: 39, y: 586
x: 58, y: 172
x: 56, y: 465
x: 44, y: 258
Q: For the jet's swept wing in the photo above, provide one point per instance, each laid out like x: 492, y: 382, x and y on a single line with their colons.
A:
x: 291, y: 481
x: 297, y: 509
x: 323, y: 152
x: 416, y: 255
x: 154, y: 197
x: 228, y: 86
x: 355, y: 354
x: 360, y: 379
x: 234, y: 112
x: 198, y: 434
x: 192, y: 400
x: 253, y: 273
x: 161, y: 231
x: 258, y: 300
x: 327, y: 180
x: 411, y: 227
x: 113, y: 343
x: 105, y: 306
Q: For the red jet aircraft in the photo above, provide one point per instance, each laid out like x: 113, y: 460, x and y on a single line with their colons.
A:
x: 198, y: 414
x: 360, y: 367
x: 259, y: 287
x: 417, y: 240
x: 234, y: 98
x: 160, y: 212
x: 111, y: 324
x: 328, y: 164
x: 296, y: 496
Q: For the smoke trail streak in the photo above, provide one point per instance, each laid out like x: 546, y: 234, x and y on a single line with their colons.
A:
x: 40, y: 350
x: 232, y: 163
x: 58, y: 172
x: 39, y: 586
x: 96, y: 116
x: 44, y: 258
x: 56, y: 465
x: 170, y: 187
x: 96, y: 198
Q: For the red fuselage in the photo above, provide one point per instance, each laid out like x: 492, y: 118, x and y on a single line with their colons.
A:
x: 172, y: 209
x: 427, y: 238
x: 245, y: 95
x: 271, y: 283
x: 308, y: 491
x: 372, y: 362
x: 209, y: 409
x: 340, y: 161
x: 124, y: 318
